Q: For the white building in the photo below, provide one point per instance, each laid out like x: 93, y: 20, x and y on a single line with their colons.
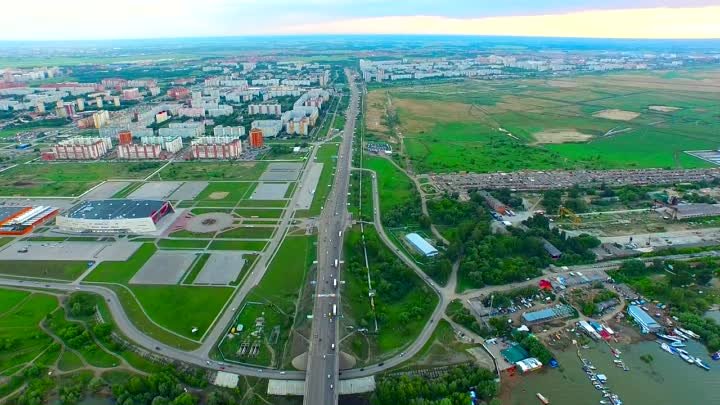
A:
x: 421, y: 245
x: 228, y: 131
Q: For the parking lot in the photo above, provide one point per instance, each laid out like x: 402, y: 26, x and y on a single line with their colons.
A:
x: 281, y: 172
x: 221, y: 269
x: 155, y: 190
x: 89, y: 251
x: 270, y: 191
x: 164, y: 267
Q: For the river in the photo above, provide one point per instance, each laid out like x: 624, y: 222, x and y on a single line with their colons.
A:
x: 667, y: 380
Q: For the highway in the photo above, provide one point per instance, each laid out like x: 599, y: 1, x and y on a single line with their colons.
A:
x: 323, y: 355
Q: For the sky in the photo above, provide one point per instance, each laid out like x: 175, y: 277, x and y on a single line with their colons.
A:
x: 120, y: 19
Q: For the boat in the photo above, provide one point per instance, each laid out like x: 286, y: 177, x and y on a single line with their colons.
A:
x: 677, y: 344
x: 701, y: 364
x: 617, y: 361
x: 689, y: 333
x: 688, y: 358
x: 667, y: 348
x: 542, y: 398
x: 603, y: 402
x: 670, y: 338
x: 683, y: 351
x: 716, y: 356
x: 681, y: 335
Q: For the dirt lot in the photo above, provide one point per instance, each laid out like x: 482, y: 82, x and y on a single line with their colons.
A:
x: 218, y: 195
x: 617, y: 115
x: 376, y: 112
x: 561, y: 136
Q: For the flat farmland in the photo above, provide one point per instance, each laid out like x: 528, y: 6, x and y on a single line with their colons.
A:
x: 628, y: 120
x: 67, y: 179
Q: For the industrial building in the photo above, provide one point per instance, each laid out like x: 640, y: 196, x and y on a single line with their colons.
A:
x: 113, y: 216
x: 255, y: 139
x: 421, y: 245
x: 22, y: 220
x: 646, y: 322
x: 79, y: 148
x: 688, y: 211
x: 548, y: 314
x: 208, y: 147
x: 554, y: 252
x: 528, y: 365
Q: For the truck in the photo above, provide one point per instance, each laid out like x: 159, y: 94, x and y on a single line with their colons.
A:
x: 334, y: 283
x: 334, y: 310
x: 337, y: 262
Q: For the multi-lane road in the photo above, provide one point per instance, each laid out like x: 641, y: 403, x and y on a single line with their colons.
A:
x: 323, y: 355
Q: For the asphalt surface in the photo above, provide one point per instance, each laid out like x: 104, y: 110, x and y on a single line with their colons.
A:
x: 323, y: 355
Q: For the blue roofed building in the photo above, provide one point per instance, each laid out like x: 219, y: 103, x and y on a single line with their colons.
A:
x: 646, y: 322
x: 421, y: 245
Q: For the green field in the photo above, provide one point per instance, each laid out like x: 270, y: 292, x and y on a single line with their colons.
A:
x: 67, y: 179
x: 20, y: 315
x: 212, y: 171
x: 395, y: 189
x: 182, y: 244
x: 541, y: 124
x: 259, y: 213
x: 248, y: 232
x: 164, y: 303
x: 286, y: 273
x: 58, y: 270
x: 252, y: 245
x: 73, y: 334
x: 262, y: 203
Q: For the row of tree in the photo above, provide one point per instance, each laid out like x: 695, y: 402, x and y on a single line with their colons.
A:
x: 452, y: 388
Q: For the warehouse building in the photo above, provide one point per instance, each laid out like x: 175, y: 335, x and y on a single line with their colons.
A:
x: 421, y: 245
x: 548, y: 314
x: 688, y: 211
x: 22, y: 220
x: 646, y: 322
x: 113, y: 216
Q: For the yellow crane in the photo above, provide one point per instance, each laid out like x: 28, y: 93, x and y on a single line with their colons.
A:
x: 566, y: 212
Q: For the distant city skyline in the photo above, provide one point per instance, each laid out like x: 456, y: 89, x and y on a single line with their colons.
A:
x: 85, y: 19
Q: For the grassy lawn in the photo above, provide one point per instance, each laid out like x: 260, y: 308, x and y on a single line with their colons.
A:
x: 196, y: 268
x: 327, y: 155
x: 286, y: 273
x: 182, y: 244
x: 122, y: 272
x: 510, y: 125
x: 213, y: 171
x: 59, y: 270
x: 258, y: 213
x: 198, y: 306
x: 142, y: 322
x: 67, y: 179
x: 396, y: 190
x: 262, y: 203
x: 20, y: 314
x: 248, y: 232
x: 5, y: 241
x: 187, y: 234
x: 69, y: 361
x: 252, y: 245
x: 200, y: 211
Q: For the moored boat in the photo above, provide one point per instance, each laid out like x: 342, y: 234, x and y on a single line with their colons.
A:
x: 688, y: 358
x: 542, y: 398
x: 677, y: 344
x: 667, y: 348
x: 668, y: 337
x: 701, y: 364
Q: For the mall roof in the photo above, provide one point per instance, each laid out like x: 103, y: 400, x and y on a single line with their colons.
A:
x: 114, y: 209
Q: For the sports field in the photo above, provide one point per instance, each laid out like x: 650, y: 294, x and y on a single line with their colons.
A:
x: 619, y: 120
